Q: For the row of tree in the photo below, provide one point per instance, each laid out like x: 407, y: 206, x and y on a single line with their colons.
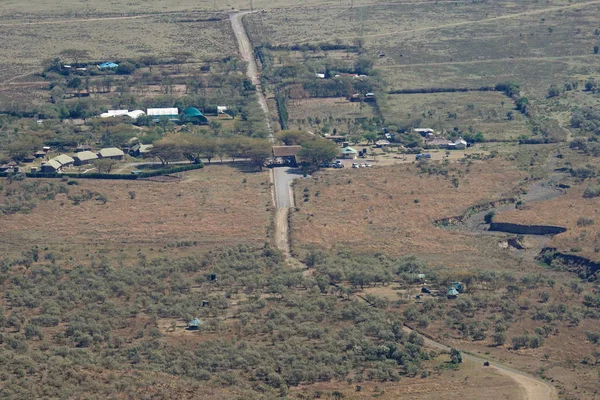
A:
x: 195, y: 147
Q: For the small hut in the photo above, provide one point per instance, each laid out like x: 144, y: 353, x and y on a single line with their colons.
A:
x: 452, y: 293
x: 193, y: 325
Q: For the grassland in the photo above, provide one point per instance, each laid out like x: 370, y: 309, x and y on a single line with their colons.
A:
x: 333, y: 111
x: 195, y: 213
x: 484, y: 112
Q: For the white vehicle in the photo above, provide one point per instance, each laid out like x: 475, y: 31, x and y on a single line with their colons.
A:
x: 355, y: 165
x: 363, y: 165
x: 368, y: 165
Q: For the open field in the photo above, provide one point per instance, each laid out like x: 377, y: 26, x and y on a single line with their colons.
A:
x: 26, y: 46
x: 200, y: 211
x: 454, y: 44
x: 392, y: 209
x: 336, y: 112
x: 484, y: 112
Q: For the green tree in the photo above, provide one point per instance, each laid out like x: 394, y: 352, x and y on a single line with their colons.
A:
x: 290, y: 138
x: 455, y: 356
x: 318, y: 151
x: 74, y: 54
x: 105, y: 165
x: 258, y: 151
x: 166, y: 150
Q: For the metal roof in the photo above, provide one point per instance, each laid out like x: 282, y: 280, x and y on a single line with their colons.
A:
x: 64, y: 159
x: 111, y: 152
x: 53, y: 163
x: 286, y: 151
x: 86, y: 156
x: 158, y: 112
x: 348, y: 150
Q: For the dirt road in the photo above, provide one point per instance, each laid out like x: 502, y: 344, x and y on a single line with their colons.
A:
x: 247, y: 54
x: 533, y: 389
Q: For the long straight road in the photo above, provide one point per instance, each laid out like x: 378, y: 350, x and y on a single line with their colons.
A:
x: 247, y: 54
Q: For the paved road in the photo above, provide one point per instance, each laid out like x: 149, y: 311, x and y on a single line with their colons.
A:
x: 282, y: 179
x: 247, y: 54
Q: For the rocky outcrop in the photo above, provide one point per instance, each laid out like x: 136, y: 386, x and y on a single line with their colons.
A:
x: 582, y: 266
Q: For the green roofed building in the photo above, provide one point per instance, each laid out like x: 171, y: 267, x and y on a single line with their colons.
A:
x: 452, y: 293
x: 193, y: 115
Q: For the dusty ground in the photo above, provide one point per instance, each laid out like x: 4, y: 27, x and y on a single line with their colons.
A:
x: 392, y: 209
x: 218, y: 205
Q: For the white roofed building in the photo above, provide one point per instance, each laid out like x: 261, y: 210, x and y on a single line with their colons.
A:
x: 158, y: 113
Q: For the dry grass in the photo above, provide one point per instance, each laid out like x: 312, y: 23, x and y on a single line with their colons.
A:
x: 392, y: 209
x: 25, y: 46
x: 328, y: 110
x: 209, y: 207
x: 471, y: 381
x: 484, y: 112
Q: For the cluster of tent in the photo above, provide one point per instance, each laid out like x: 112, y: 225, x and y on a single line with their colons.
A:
x: 190, y: 114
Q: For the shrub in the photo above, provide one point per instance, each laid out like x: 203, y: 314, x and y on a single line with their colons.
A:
x: 583, y: 221
x: 592, y: 191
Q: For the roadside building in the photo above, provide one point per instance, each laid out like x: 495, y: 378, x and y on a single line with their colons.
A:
x: 286, y: 154
x: 85, y: 157
x: 111, y: 152
x: 158, y: 113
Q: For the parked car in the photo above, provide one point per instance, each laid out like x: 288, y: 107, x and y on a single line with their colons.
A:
x: 363, y: 165
x: 368, y: 165
x: 425, y: 290
x: 355, y: 165
x: 422, y: 155
x: 336, y: 165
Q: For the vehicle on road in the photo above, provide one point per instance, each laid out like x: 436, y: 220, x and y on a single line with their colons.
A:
x: 368, y: 165
x: 425, y: 290
x: 355, y: 165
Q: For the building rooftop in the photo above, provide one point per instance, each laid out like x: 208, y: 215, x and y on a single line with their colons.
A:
x: 111, y: 152
x: 53, y: 163
x: 286, y: 151
x: 64, y: 159
x: 86, y: 156
x: 158, y: 112
x: 348, y: 150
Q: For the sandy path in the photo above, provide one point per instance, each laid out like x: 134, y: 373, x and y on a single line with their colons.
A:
x: 532, y: 388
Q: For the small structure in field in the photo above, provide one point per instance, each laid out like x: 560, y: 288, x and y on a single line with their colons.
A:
x: 111, y: 152
x: 287, y: 153
x: 382, y: 143
x: 158, y: 113
x: 459, y: 144
x: 107, y: 66
x: 194, y: 116
x: 85, y: 157
x: 193, y: 325
x: 336, y: 138
x: 348, y: 152
x: 452, y: 293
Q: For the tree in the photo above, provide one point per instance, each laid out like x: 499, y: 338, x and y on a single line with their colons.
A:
x: 75, y: 83
x: 370, y: 137
x: 318, y: 151
x: 590, y: 84
x: 149, y: 61
x: 233, y: 147
x: 455, y: 356
x: 290, y: 138
x: 194, y: 147
x: 23, y: 147
x: 553, y: 91
x: 258, y: 151
x: 105, y: 165
x: 74, y: 54
x: 181, y: 58
x: 167, y: 149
